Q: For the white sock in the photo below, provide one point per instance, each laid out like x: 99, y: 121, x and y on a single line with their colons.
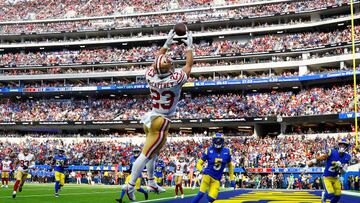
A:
x: 150, y: 166
x: 137, y: 168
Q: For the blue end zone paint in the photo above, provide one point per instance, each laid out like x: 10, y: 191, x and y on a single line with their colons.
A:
x: 343, y: 199
x: 229, y: 194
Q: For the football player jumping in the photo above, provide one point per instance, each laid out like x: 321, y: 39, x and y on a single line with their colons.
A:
x: 218, y: 157
x: 165, y: 85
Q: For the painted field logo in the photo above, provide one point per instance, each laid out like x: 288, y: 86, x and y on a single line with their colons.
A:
x: 273, y: 197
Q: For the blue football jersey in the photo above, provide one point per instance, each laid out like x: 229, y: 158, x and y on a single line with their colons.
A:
x: 132, y: 160
x: 60, y: 162
x: 159, y: 170
x: 216, y: 162
x: 334, y: 156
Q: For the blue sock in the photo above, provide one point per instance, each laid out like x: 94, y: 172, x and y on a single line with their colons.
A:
x: 210, y: 198
x: 329, y: 196
x: 198, y: 197
x: 122, y: 194
x: 335, y: 199
x: 141, y: 190
x: 57, y: 186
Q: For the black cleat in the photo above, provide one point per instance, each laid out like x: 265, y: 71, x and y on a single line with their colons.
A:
x: 56, y: 194
x: 119, y: 200
x: 14, y: 195
x: 146, y: 196
x: 20, y: 188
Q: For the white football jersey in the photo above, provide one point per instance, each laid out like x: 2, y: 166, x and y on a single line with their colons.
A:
x: 25, y: 162
x: 165, y: 92
x: 180, y: 168
x: 6, y: 166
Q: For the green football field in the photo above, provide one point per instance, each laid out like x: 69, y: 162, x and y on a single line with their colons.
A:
x: 71, y: 193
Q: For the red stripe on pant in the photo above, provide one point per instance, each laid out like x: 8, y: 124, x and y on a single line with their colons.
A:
x: 159, y: 139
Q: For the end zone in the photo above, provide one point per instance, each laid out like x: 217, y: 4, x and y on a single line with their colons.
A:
x: 271, y: 196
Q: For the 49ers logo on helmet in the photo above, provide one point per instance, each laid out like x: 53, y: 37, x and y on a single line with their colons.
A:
x: 163, y: 65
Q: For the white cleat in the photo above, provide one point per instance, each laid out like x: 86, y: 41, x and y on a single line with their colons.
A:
x: 7, y: 186
x: 2, y: 186
x: 176, y: 197
x: 130, y: 191
x: 323, y: 200
x: 182, y: 196
x: 154, y: 187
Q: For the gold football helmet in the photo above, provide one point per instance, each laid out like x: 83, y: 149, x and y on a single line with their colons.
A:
x: 163, y: 66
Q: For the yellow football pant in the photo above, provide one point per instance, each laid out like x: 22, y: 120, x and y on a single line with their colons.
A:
x: 60, y: 177
x: 155, y: 136
x: 4, y: 174
x: 178, y: 180
x: 137, y: 184
x: 210, y: 184
x: 158, y: 180
x: 21, y: 176
x: 332, y: 185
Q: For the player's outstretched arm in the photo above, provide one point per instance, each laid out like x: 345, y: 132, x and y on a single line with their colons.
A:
x: 169, y: 41
x: 189, y: 54
x: 322, y: 157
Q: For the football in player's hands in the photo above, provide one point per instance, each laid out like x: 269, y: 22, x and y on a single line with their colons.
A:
x: 180, y: 29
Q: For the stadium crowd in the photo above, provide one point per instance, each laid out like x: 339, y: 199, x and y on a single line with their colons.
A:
x: 137, y: 35
x: 136, y: 67
x: 311, y: 101
x: 248, y: 152
x: 49, y: 9
x: 254, y: 45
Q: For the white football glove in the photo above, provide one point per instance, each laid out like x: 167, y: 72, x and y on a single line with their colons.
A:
x: 169, y: 41
x: 189, y: 41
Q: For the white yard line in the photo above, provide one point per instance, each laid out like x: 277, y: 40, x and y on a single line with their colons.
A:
x: 356, y: 194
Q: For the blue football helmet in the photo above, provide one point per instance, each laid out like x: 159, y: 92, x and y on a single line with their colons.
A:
x: 218, y: 140
x: 136, y: 152
x: 61, y: 151
x: 160, y: 161
x: 343, y: 145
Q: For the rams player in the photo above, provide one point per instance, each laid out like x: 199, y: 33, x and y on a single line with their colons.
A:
x: 26, y: 161
x: 136, y: 154
x: 159, y: 172
x: 337, y: 161
x: 218, y: 157
x: 60, y: 164
x: 165, y: 85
